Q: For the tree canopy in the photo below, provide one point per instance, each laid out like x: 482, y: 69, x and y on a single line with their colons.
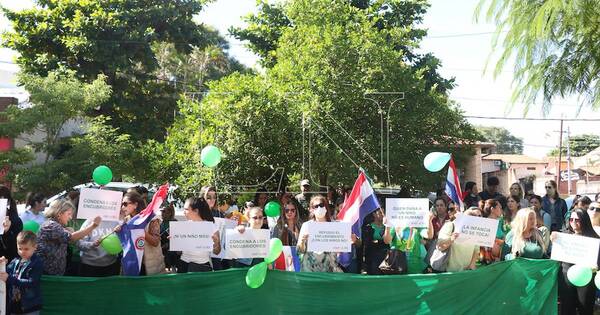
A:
x: 580, y: 145
x: 313, y: 110
x: 554, y: 45
x: 114, y: 38
x: 506, y: 143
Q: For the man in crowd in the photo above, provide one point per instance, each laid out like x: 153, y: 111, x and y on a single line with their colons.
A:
x: 491, y: 191
x: 303, y: 198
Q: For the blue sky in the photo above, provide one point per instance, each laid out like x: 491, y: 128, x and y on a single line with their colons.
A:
x: 463, y: 57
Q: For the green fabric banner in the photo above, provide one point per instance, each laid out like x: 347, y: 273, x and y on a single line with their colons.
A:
x: 513, y: 287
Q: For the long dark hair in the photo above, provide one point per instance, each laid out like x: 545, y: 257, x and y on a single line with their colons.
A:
x: 12, y: 205
x: 136, y: 198
x: 199, y: 204
x: 586, y: 224
x: 282, y: 223
x: 489, y: 205
x: 33, y: 198
x: 553, y: 183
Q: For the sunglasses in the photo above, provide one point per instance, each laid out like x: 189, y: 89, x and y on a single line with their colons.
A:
x: 125, y: 203
x: 549, y: 187
x: 319, y: 205
x: 290, y: 210
x: 594, y: 209
x: 574, y: 220
x: 257, y: 218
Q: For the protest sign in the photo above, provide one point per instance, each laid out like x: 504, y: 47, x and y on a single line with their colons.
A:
x: 3, y: 208
x: 407, y: 212
x: 191, y: 236
x: 476, y: 230
x: 575, y: 249
x: 329, y: 237
x: 250, y: 244
x: 99, y: 202
x: 222, y: 225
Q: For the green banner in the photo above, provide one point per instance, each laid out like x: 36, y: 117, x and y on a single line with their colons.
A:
x: 513, y: 287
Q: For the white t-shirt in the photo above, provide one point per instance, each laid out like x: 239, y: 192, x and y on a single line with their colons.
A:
x: 196, y: 257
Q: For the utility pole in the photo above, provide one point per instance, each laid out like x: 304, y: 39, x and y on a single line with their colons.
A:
x: 569, y: 160
x: 559, y: 157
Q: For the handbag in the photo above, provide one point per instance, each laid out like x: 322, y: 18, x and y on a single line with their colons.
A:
x: 439, y: 259
x: 394, y: 263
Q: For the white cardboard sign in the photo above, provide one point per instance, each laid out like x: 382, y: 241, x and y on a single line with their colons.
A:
x: 222, y: 225
x: 329, y: 237
x: 99, y: 202
x: 253, y: 243
x: 575, y: 249
x: 3, y: 208
x: 407, y: 212
x: 476, y: 230
x: 191, y: 236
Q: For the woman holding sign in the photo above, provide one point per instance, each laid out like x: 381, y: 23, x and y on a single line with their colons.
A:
x: 493, y: 210
x: 575, y: 299
x: 462, y: 256
x: 53, y: 237
x: 316, y: 261
x: 12, y: 225
x: 197, y: 209
x: 255, y: 221
x: 288, y: 225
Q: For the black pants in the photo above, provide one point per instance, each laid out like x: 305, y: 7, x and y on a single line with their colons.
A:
x: 97, y: 271
x: 184, y: 267
x: 573, y: 299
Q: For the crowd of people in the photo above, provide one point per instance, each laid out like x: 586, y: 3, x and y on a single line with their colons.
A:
x: 67, y: 246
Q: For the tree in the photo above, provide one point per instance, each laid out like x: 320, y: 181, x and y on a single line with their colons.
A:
x: 506, y: 143
x: 327, y: 63
x: 267, y: 26
x: 113, y: 38
x: 580, y: 145
x: 54, y: 100
x: 554, y: 44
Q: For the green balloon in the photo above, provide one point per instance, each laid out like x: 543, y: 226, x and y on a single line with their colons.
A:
x: 272, y: 209
x: 275, y: 249
x: 597, y: 280
x: 31, y: 226
x: 111, y: 244
x: 256, y: 275
x: 102, y: 175
x: 579, y: 276
x: 210, y: 156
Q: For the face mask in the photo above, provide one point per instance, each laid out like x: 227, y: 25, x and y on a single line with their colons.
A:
x: 320, y: 212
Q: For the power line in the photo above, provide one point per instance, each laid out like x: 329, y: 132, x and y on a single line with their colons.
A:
x: 462, y: 35
x: 535, y: 119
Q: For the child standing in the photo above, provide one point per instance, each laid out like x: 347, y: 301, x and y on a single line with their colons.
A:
x: 23, y: 277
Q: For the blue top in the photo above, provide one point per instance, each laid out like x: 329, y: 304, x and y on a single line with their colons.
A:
x: 24, y: 277
x: 557, y: 212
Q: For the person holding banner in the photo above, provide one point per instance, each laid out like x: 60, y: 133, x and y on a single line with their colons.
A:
x: 53, y: 237
x: 593, y: 212
x: 376, y: 245
x: 12, y: 225
x: 575, y: 299
x: 493, y: 210
x: 463, y: 256
x: 255, y: 219
x: 524, y: 239
x: 197, y: 209
x: 95, y: 261
x: 288, y: 226
x: 316, y: 261
x: 153, y: 260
